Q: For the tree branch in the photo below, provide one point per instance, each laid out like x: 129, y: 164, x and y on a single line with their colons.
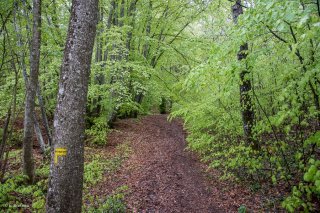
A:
x: 276, y: 35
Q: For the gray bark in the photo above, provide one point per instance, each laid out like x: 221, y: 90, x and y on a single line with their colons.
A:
x: 28, y: 167
x: 38, y: 92
x: 37, y: 131
x: 66, y: 173
x: 44, y: 115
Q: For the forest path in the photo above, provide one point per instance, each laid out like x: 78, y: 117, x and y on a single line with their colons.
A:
x: 161, y: 175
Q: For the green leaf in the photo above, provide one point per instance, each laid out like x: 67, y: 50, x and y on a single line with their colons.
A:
x: 308, y: 176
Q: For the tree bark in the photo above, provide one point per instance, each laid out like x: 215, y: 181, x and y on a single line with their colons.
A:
x: 28, y: 167
x: 67, y: 155
x: 38, y: 133
x: 44, y: 115
x: 245, y: 86
x: 4, y: 139
x: 131, y: 15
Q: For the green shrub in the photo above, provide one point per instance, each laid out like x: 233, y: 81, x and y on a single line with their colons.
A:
x: 98, y: 131
x: 113, y: 203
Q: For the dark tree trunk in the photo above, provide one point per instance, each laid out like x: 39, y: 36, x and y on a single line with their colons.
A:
x: 28, y: 167
x: 109, y: 22
x: 131, y: 15
x: 4, y: 138
x: 245, y: 86
x: 146, y: 46
x: 66, y: 170
x: 163, y: 106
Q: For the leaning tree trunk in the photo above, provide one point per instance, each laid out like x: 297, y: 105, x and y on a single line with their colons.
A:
x: 66, y: 170
x: 28, y: 167
x: 245, y: 86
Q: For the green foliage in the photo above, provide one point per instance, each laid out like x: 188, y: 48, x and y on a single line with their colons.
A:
x: 190, y: 58
x: 127, y: 108
x: 14, y: 191
x: 113, y: 203
x: 100, y: 165
x: 93, y: 172
x: 242, y: 209
x: 308, y: 190
x: 98, y: 132
x: 282, y: 65
x: 39, y: 204
x: 16, y: 138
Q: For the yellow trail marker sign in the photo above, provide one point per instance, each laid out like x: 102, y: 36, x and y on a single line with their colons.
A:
x: 59, y: 152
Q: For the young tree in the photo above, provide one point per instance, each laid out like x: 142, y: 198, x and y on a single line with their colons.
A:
x: 66, y: 171
x: 28, y: 167
x: 245, y: 85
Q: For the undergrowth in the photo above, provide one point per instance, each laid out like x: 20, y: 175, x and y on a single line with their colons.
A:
x: 16, y: 195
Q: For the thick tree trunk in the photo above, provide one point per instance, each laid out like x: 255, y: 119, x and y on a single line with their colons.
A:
x: 66, y: 171
x: 245, y: 86
x: 28, y: 167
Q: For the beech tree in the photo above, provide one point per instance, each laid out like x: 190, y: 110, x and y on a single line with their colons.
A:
x: 245, y: 84
x: 28, y: 167
x: 67, y: 162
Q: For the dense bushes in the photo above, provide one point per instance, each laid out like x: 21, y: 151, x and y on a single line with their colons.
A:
x: 283, y: 65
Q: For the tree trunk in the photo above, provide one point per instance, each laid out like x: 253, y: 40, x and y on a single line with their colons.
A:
x: 131, y: 15
x: 109, y: 22
x: 44, y: 115
x: 67, y: 155
x: 4, y: 140
x: 28, y: 167
x: 145, y: 52
x: 37, y: 131
x: 245, y: 86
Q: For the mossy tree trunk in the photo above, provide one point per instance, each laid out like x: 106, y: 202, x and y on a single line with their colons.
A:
x: 247, y: 111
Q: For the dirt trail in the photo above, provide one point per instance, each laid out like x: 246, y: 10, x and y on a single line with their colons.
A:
x: 161, y: 175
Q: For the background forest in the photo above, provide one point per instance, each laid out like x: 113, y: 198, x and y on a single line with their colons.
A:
x: 243, y: 75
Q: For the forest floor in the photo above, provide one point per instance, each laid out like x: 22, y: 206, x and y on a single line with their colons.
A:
x: 162, y: 176
x: 144, y: 167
